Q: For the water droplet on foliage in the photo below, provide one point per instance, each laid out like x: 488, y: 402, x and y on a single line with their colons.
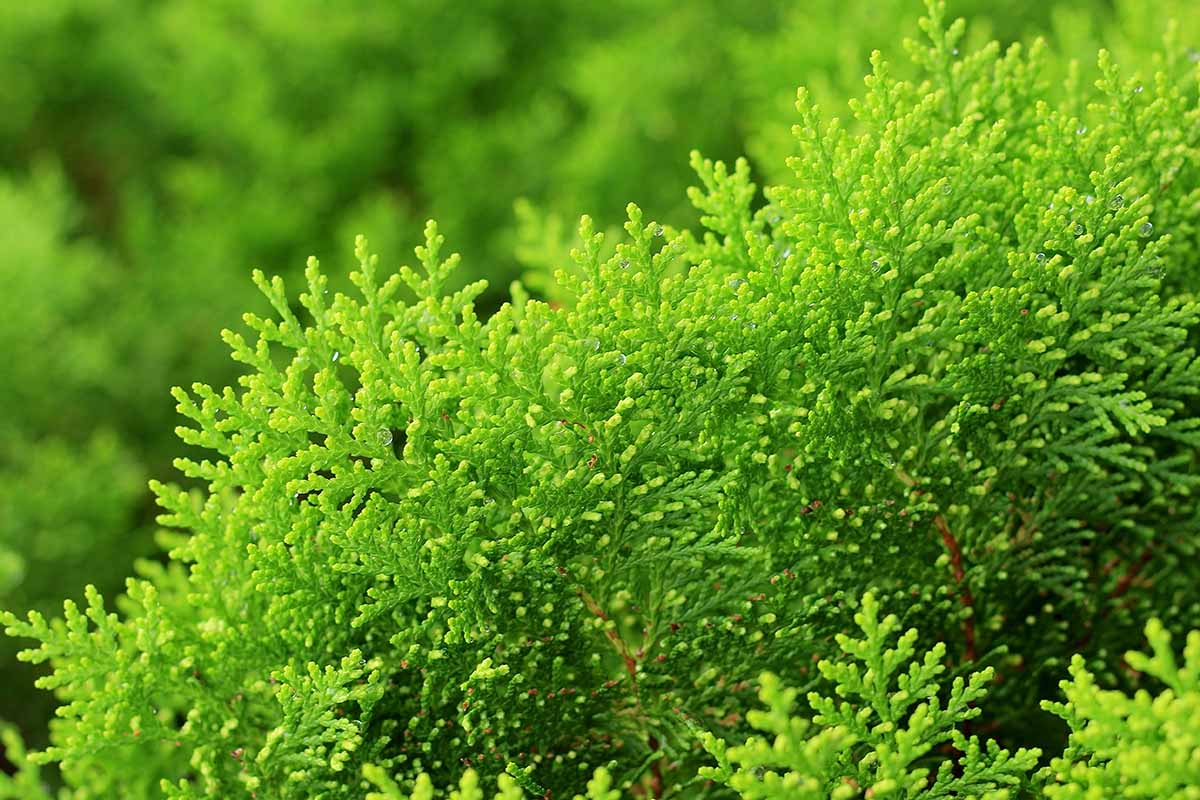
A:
x: 1079, y: 229
x: 1146, y: 229
x: 947, y: 188
x: 1089, y: 199
x: 621, y: 357
x: 1117, y: 202
x: 875, y: 265
x: 385, y: 436
x: 1041, y: 257
x: 954, y: 52
x: 1081, y: 130
x: 658, y: 230
x: 1138, y: 89
x: 736, y: 282
x: 624, y: 263
x: 336, y: 355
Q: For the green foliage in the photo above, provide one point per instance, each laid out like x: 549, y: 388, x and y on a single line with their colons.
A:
x: 69, y: 488
x: 150, y: 152
x: 508, y: 787
x: 1132, y: 746
x: 871, y: 740
x: 50, y: 455
x: 949, y: 364
x: 26, y: 781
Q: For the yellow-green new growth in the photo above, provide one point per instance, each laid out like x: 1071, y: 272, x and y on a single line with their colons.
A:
x: 507, y: 787
x: 887, y: 711
x: 1139, y: 746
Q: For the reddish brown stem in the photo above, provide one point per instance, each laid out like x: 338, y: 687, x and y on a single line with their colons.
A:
x: 964, y: 591
x: 656, y: 778
x: 619, y: 644
x: 1131, y: 573
x: 631, y: 666
x: 1124, y: 583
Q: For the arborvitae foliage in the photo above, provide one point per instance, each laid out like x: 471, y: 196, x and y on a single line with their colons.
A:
x: 236, y: 134
x: 950, y: 365
x: 1142, y: 746
x: 26, y: 781
x: 888, y: 718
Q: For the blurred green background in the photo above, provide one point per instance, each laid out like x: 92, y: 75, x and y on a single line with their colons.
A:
x: 153, y: 151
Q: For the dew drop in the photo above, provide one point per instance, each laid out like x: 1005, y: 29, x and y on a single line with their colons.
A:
x: 1041, y: 257
x: 947, y: 188
x: 1117, y: 202
x: 1146, y: 229
x: 624, y: 263
x: 1089, y: 199
x: 621, y: 357
x: 875, y: 265
x: 658, y: 230
x: 1079, y: 229
x: 1138, y: 89
x: 954, y: 52
x: 384, y: 436
x: 336, y: 355
x: 1081, y: 130
x: 736, y: 282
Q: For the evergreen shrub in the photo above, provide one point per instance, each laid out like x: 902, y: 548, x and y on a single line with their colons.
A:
x: 912, y: 435
x: 151, y: 152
